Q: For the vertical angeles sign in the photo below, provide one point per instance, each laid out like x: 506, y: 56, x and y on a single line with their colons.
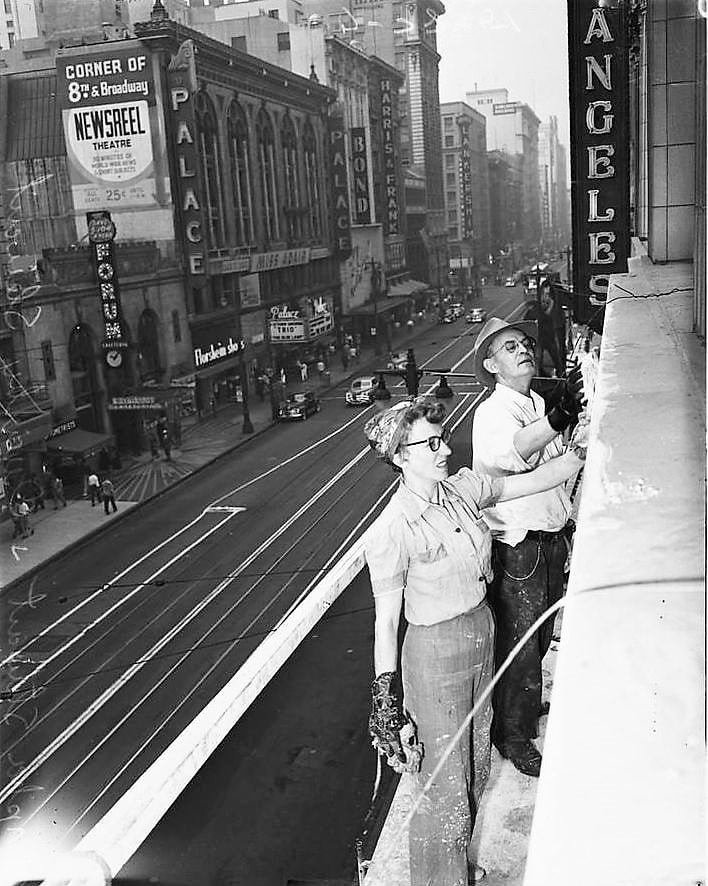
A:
x: 599, y: 135
x: 340, y: 186
x: 182, y: 88
x: 360, y: 178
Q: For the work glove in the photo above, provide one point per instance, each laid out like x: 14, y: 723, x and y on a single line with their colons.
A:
x: 568, y: 401
x: 392, y: 732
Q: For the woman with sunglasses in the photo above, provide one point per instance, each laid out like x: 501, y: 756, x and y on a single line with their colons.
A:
x: 429, y: 554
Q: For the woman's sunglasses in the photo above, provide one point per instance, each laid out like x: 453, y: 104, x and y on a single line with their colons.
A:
x: 433, y: 442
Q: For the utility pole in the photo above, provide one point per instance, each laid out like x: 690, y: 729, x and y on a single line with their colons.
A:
x: 247, y: 424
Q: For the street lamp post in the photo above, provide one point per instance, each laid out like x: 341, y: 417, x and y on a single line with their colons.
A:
x: 247, y: 427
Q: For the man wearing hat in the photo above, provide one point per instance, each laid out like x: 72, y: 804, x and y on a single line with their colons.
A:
x: 513, y: 433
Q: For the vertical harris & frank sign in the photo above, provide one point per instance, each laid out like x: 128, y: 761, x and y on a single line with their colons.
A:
x: 599, y: 134
x: 106, y: 99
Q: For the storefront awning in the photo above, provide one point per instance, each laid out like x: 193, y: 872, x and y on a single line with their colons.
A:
x: 381, y: 306
x: 407, y: 287
x: 79, y: 442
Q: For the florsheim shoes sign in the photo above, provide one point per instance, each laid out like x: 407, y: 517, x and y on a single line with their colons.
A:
x: 106, y: 96
x: 599, y: 90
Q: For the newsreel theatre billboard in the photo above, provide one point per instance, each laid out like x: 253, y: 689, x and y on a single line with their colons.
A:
x: 107, y: 102
x: 599, y: 135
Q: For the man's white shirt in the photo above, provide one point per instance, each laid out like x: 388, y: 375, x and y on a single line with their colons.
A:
x: 496, y: 422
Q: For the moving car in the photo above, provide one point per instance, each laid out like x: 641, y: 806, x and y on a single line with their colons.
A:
x: 361, y: 391
x: 298, y: 406
x: 510, y: 281
x: 476, y: 315
x: 397, y: 360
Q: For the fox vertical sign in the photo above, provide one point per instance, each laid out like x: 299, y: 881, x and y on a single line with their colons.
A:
x: 599, y: 124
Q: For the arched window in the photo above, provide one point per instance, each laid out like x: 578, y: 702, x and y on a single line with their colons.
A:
x: 148, y: 347
x: 208, y: 146
x: 312, y: 182
x: 266, y: 170
x: 84, y: 378
x: 239, y: 158
x: 292, y: 180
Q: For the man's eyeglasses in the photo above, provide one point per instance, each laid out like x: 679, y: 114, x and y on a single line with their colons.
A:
x: 433, y: 442
x: 512, y: 345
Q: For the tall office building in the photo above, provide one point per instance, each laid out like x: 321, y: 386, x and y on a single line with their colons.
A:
x: 512, y: 127
x: 465, y: 167
x: 404, y: 35
x: 18, y: 21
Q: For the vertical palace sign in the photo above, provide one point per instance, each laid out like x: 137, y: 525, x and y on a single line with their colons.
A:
x: 599, y: 92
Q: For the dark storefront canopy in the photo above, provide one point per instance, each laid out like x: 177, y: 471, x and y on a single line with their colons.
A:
x: 79, y: 442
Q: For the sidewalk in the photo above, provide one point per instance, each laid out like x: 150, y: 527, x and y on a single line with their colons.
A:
x: 143, y: 477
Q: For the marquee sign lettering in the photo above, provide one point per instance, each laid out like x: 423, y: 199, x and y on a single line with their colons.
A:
x: 360, y: 167
x: 188, y: 175
x: 340, y: 188
x: 101, y: 233
x: 466, y: 202
x: 600, y: 157
x: 392, y: 223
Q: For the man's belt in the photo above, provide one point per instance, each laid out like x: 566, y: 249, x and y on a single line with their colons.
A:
x: 542, y: 535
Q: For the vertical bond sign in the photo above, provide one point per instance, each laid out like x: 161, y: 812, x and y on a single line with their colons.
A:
x: 105, y: 97
x: 391, y: 216
x: 599, y: 95
x: 360, y: 167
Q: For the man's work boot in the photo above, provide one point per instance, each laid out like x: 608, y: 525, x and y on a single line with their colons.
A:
x: 523, y: 754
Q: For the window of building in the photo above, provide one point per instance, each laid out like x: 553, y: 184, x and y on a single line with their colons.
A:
x: 452, y: 215
x: 450, y: 179
x: 207, y: 135
x: 241, y: 192
x: 447, y: 122
x: 148, y: 346
x: 84, y: 379
x: 48, y: 361
x: 268, y: 175
x: 312, y: 181
x: 451, y: 196
x: 449, y: 141
x: 273, y: 13
x: 239, y: 43
x: 283, y: 41
x: 452, y: 232
x: 292, y: 179
x: 176, y: 328
x: 450, y: 161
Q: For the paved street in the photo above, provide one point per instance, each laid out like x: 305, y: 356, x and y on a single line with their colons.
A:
x: 125, y: 639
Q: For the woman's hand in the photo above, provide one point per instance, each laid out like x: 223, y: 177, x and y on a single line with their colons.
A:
x: 392, y: 731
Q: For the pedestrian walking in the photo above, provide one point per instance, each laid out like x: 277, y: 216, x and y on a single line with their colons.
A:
x: 429, y: 554
x: 512, y: 432
x: 58, y: 492
x: 303, y: 371
x: 22, y: 526
x: 94, y: 488
x: 320, y: 367
x: 108, y: 495
x: 283, y: 376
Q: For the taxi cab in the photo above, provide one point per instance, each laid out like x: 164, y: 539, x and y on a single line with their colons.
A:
x: 361, y: 391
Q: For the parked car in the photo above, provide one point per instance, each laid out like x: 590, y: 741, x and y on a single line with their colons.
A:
x: 361, y: 391
x: 298, y: 406
x: 510, y: 281
x: 476, y: 315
